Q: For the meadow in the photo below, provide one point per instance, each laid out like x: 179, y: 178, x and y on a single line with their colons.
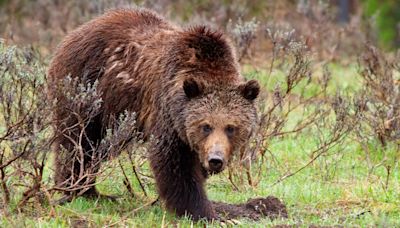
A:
x: 328, y: 142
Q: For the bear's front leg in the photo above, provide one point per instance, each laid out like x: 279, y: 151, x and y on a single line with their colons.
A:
x: 180, y: 180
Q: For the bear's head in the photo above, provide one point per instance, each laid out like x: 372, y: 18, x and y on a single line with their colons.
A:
x: 219, y: 120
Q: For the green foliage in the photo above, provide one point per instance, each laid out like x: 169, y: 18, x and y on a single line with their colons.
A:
x: 2, y: 2
x: 386, y: 13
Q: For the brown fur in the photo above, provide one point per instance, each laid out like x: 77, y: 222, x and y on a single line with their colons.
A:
x: 175, y: 80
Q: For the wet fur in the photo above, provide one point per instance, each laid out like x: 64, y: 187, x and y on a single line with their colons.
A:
x: 141, y: 62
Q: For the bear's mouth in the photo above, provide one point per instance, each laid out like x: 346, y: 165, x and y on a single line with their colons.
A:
x: 211, y: 171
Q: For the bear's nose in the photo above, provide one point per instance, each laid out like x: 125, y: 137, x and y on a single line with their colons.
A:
x: 215, y: 163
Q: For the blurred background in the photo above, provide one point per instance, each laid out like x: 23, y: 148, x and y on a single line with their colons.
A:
x: 333, y: 29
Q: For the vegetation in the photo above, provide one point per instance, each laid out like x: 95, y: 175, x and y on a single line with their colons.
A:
x: 327, y: 143
x: 386, y: 20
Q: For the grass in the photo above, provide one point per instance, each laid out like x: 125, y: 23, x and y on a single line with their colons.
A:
x: 336, y: 189
x: 314, y: 196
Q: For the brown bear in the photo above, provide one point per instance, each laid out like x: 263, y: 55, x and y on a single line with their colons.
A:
x: 184, y: 85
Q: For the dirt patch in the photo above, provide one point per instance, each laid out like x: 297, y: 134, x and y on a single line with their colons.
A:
x: 254, y: 209
x: 79, y: 223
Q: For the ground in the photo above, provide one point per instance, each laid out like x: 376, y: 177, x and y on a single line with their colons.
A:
x: 335, y: 190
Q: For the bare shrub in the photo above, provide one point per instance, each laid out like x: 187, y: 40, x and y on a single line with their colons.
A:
x: 329, y: 117
x: 24, y: 125
x: 26, y: 133
x: 244, y: 33
x: 79, y: 155
x: 379, y: 107
x: 85, y: 157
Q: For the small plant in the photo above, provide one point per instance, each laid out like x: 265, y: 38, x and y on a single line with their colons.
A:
x: 24, y: 125
x: 379, y: 108
x: 244, y: 34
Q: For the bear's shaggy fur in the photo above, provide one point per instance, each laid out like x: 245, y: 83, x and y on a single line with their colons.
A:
x: 184, y: 85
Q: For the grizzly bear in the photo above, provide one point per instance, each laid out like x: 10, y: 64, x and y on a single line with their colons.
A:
x: 185, y: 86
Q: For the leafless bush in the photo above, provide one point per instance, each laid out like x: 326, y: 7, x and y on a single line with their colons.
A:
x: 285, y: 42
x: 379, y: 108
x: 24, y: 125
x: 81, y: 154
x: 26, y: 132
x: 330, y: 118
x: 244, y: 33
x: 84, y: 146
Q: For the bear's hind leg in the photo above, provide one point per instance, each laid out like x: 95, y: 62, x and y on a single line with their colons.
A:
x: 76, y: 160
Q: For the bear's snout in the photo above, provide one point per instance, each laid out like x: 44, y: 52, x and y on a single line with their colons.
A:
x: 216, y: 158
x: 216, y: 162
x: 217, y: 150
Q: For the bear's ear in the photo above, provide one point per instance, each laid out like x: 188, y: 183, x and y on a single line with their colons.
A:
x: 192, y: 88
x: 250, y: 90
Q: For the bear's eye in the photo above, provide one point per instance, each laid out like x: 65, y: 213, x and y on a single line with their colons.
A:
x: 230, y: 130
x: 207, y: 129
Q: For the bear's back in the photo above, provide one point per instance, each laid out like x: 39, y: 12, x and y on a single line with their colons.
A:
x: 86, y: 50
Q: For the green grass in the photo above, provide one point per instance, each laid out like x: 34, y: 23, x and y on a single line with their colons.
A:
x: 313, y: 196
x: 336, y: 189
